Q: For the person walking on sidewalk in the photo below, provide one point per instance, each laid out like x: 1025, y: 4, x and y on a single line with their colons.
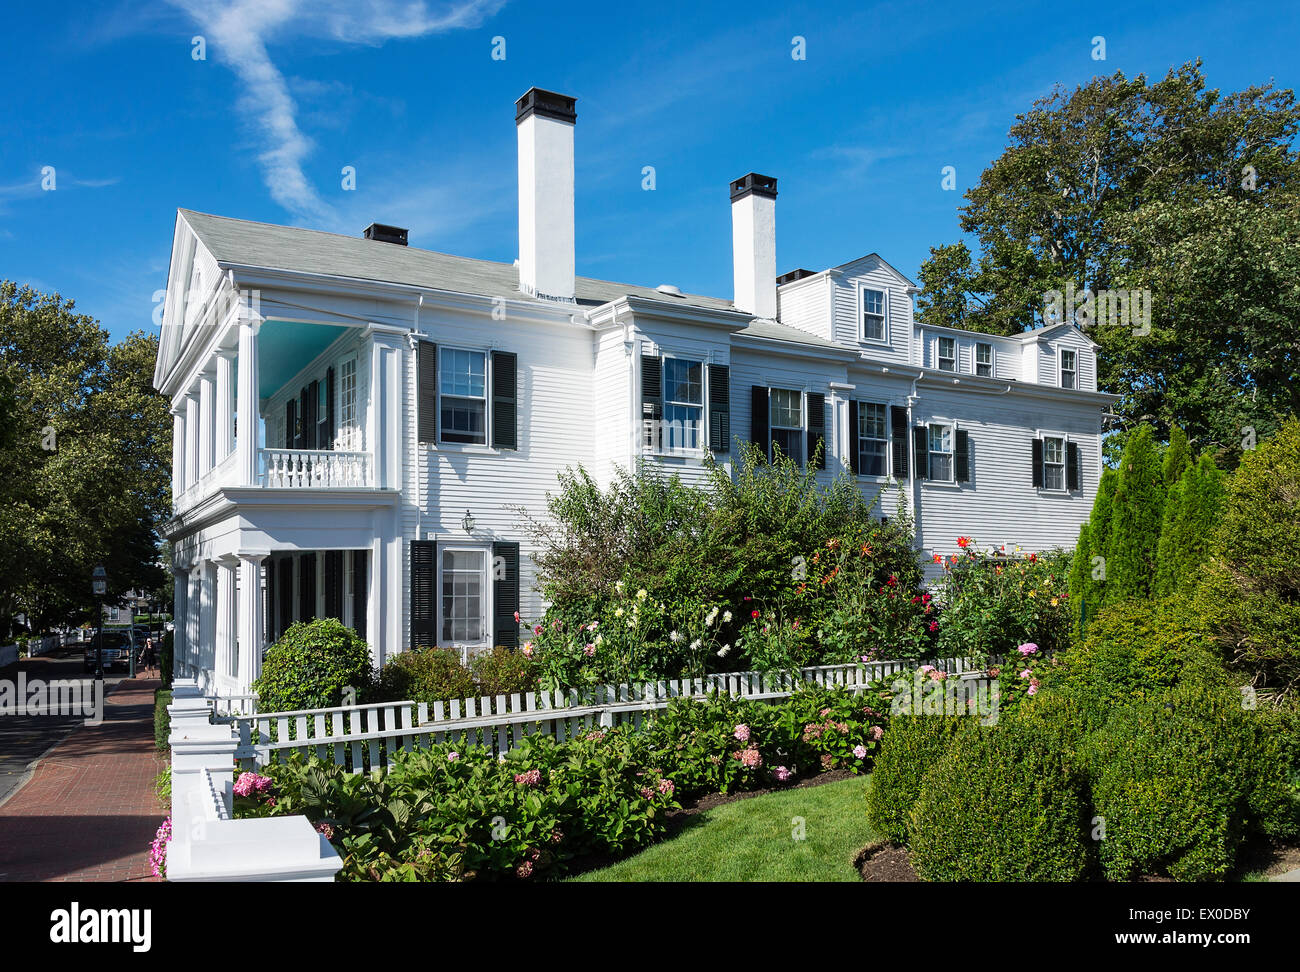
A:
x: 148, y: 657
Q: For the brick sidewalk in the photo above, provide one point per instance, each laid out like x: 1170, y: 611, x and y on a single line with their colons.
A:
x: 89, y: 811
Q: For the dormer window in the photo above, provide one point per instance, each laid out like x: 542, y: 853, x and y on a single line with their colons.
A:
x: 874, y: 327
x: 947, y: 354
x: 1069, y: 368
x: 984, y: 360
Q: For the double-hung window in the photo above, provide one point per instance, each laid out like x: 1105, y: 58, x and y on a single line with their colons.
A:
x: 1069, y: 368
x: 464, y: 595
x: 874, y: 327
x: 683, y: 404
x: 873, y: 439
x: 462, y: 388
x: 348, y: 404
x: 947, y: 354
x: 984, y: 360
x: 941, y: 442
x: 1053, y: 463
x: 786, y: 412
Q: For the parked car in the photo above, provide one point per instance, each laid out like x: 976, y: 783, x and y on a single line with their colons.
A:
x: 118, y: 646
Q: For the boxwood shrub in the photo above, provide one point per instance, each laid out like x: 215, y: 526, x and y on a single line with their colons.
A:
x: 1182, y: 779
x: 311, y: 665
x: 429, y: 675
x: 911, y: 745
x: 1003, y: 803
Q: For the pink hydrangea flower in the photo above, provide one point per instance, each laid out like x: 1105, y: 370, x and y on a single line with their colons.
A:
x: 1026, y: 673
x: 1028, y: 648
x: 525, y: 869
x: 860, y: 751
x: 781, y: 773
x: 325, y: 830
x: 666, y: 787
x: 589, y: 650
x: 750, y: 758
x: 250, y: 783
x: 742, y: 732
x: 876, y: 732
x: 530, y: 778
x: 1033, y: 686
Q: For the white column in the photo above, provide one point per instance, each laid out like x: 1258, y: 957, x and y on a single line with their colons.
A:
x: 227, y: 661
x: 178, y: 451
x: 225, y: 407
x: 208, y: 617
x: 207, y: 434
x: 384, y: 421
x: 251, y: 625
x: 193, y: 607
x: 191, y: 440
x: 246, y: 439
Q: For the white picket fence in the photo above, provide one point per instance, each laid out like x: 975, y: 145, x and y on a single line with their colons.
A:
x: 33, y: 646
x: 365, y: 737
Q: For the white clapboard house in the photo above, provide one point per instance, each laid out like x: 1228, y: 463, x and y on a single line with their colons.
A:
x: 359, y: 422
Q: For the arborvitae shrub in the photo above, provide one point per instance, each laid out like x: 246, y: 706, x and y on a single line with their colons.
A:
x: 1139, y: 504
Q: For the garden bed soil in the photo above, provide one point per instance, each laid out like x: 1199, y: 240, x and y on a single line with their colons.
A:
x: 885, y: 862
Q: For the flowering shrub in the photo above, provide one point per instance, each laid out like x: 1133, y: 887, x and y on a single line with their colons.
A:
x: 158, y: 849
x: 993, y: 603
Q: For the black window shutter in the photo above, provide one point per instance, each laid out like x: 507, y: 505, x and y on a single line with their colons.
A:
x: 1072, y: 466
x: 309, y: 416
x: 307, y: 586
x: 327, y: 440
x: 290, y: 420
x: 855, y: 460
x: 505, y: 593
x: 898, y: 425
x: 505, y: 400
x: 1036, y: 456
x: 334, y: 584
x: 271, y: 633
x: 962, y: 458
x: 652, y: 399
x: 817, y: 427
x: 719, y: 407
x: 423, y: 561
x: 286, y: 594
x: 759, y: 429
x: 427, y: 395
x: 920, y: 436
x: 360, y: 590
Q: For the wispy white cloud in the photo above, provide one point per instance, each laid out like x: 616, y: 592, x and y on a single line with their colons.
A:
x: 240, y: 34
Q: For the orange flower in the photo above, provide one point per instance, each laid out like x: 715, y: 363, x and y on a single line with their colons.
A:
x: 963, y: 542
x: 938, y: 558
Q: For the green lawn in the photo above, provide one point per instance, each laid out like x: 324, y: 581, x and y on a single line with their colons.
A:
x: 752, y: 840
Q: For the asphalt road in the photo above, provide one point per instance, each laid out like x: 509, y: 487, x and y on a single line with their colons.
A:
x: 26, y: 738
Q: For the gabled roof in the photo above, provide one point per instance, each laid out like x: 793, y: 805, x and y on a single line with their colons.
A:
x: 239, y: 242
x: 877, y: 256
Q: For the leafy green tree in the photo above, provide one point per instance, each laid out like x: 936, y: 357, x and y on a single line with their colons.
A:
x: 1138, y: 509
x: 1170, y: 187
x: 1191, y: 514
x: 86, y: 453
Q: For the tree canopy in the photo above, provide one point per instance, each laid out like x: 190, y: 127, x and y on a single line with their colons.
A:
x: 1168, y: 187
x: 85, y: 445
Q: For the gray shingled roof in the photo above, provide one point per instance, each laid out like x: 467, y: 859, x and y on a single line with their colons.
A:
x: 238, y: 241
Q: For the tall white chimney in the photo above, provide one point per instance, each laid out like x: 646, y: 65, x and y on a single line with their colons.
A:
x: 545, y: 123
x: 753, y: 244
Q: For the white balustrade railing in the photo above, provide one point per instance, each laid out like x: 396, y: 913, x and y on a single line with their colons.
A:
x: 313, y: 468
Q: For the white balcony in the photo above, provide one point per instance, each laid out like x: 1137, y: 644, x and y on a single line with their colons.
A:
x: 314, y: 469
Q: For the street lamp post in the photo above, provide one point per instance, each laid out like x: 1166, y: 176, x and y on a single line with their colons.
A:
x: 99, y: 584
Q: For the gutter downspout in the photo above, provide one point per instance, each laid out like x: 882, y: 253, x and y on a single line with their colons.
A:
x: 911, y: 464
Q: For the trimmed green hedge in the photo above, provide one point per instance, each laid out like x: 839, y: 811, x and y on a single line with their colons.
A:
x: 912, y: 744
x: 311, y: 666
x: 162, y: 720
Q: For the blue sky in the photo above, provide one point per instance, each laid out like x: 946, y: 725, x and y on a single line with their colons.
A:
x: 857, y: 134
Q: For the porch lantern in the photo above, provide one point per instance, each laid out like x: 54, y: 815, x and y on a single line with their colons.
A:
x: 467, y: 521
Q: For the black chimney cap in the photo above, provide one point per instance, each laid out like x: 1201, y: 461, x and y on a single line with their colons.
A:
x: 548, y: 104
x: 386, y: 234
x: 759, y: 185
x: 794, y: 275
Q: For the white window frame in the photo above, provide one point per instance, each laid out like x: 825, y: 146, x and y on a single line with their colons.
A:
x: 950, y: 452
x: 939, y: 358
x: 857, y: 446
x: 772, y: 427
x: 349, y: 425
x: 487, y: 399
x: 884, y: 315
x: 991, y: 364
x: 1062, y: 371
x: 666, y: 402
x: 1061, y: 465
x: 464, y: 647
